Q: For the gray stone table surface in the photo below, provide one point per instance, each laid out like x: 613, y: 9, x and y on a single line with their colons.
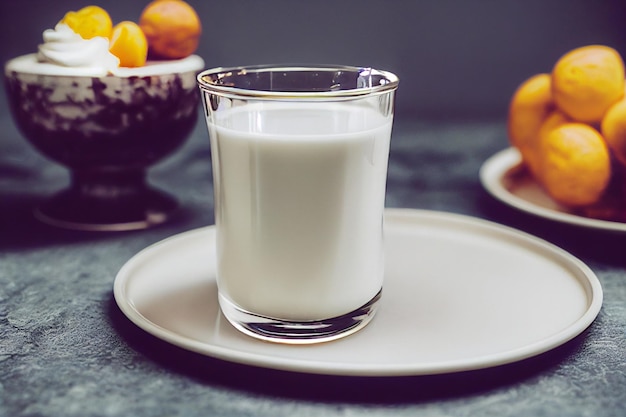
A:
x: 67, y: 350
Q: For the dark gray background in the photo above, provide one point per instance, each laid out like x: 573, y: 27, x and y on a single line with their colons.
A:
x: 455, y: 58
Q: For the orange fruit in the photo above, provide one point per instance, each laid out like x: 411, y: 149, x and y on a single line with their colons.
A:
x: 89, y: 22
x: 575, y: 164
x: 555, y: 119
x: 614, y: 130
x: 129, y: 44
x: 530, y: 105
x: 587, y: 81
x: 172, y: 28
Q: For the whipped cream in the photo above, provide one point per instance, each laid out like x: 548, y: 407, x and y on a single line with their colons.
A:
x: 64, y: 47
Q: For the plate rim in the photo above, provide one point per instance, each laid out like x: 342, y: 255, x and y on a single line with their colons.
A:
x: 493, y: 170
x: 594, y: 303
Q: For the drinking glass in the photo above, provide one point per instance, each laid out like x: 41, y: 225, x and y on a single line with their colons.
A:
x: 299, y: 158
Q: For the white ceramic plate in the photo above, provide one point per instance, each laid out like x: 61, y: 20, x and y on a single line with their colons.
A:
x: 459, y: 294
x: 502, y: 178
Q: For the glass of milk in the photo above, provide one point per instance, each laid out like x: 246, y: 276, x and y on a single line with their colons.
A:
x: 299, y: 157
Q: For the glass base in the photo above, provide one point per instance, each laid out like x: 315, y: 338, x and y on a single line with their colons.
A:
x: 298, y: 332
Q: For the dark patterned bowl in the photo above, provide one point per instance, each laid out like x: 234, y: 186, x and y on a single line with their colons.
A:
x: 107, y: 130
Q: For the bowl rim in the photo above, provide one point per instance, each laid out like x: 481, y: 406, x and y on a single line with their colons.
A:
x: 28, y: 64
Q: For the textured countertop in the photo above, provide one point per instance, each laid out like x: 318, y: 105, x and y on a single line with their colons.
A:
x: 67, y: 350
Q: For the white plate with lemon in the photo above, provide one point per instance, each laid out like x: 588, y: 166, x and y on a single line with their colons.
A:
x: 506, y: 179
x: 568, y: 133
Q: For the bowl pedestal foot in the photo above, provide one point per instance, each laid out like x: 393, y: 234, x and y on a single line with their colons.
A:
x: 107, y: 200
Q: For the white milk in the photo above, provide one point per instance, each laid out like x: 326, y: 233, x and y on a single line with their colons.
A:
x: 300, y: 193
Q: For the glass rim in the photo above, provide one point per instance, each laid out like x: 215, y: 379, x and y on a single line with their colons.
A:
x: 390, y: 82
